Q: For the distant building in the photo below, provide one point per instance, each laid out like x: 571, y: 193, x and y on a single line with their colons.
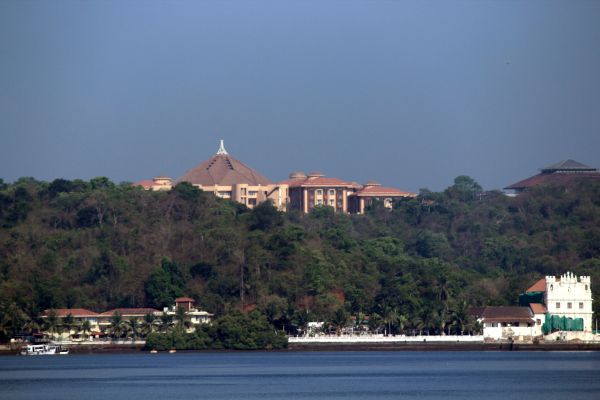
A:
x: 305, y: 192
x: 570, y: 296
x: 100, y: 323
x: 508, y: 322
x: 229, y: 178
x: 561, y: 173
x: 158, y: 183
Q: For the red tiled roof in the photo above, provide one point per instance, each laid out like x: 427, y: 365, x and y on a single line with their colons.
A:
x: 130, y: 311
x: 316, y: 182
x: 146, y: 183
x: 75, y: 312
x: 538, y: 308
x: 507, y: 314
x: 539, y: 286
x: 223, y: 169
x: 552, y: 178
x: 184, y: 300
x: 372, y: 191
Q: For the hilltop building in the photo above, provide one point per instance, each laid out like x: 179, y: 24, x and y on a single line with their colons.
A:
x: 561, y: 173
x: 157, y: 183
x: 305, y: 192
x: 229, y: 178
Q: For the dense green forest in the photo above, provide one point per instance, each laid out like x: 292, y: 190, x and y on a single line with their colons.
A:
x: 100, y: 245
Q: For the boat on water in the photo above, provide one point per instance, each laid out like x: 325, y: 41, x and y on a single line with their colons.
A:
x: 44, y: 350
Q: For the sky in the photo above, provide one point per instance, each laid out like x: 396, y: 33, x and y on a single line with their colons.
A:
x: 408, y: 93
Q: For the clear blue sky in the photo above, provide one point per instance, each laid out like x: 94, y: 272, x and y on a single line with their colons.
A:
x: 410, y: 94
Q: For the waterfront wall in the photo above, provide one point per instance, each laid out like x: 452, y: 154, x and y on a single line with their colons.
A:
x: 386, y: 339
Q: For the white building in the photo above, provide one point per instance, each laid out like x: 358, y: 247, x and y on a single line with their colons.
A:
x: 570, y: 296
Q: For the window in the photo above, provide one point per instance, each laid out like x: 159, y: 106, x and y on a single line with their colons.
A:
x: 557, y: 305
x: 332, y: 192
x: 538, y: 321
x: 252, y: 202
x: 586, y: 288
x: 319, y: 202
x: 252, y: 193
x: 319, y: 192
x: 569, y: 305
x: 581, y: 306
x: 332, y: 202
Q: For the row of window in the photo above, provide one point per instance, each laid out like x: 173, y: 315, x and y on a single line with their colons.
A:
x: 570, y: 305
x: 319, y: 202
x: 319, y: 192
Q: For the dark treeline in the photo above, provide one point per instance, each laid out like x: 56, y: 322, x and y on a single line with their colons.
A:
x: 98, y: 245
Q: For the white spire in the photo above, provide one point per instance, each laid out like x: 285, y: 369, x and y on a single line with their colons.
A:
x: 222, y: 148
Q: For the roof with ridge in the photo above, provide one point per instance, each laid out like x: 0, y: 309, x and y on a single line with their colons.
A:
x: 75, y: 312
x: 539, y: 286
x: 561, y: 173
x: 377, y: 190
x: 568, y: 165
x: 224, y: 170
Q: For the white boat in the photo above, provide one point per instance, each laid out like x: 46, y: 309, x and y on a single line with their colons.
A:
x: 44, y: 350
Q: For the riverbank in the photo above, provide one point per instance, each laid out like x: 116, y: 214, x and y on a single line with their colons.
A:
x: 344, y: 347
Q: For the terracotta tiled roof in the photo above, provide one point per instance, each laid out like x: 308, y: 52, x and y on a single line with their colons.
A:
x: 146, y: 183
x: 75, y: 312
x: 539, y: 286
x: 316, y: 182
x: 184, y: 300
x: 130, y: 311
x: 508, y: 314
x: 372, y: 191
x: 568, y: 165
x: 223, y: 169
x: 538, y: 308
x: 554, y: 178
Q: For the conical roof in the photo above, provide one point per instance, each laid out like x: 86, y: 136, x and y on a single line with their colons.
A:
x: 224, y: 170
x: 568, y: 165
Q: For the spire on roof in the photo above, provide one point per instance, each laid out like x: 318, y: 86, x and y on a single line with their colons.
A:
x: 222, y: 148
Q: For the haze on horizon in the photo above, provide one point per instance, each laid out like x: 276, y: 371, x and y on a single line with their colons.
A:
x: 409, y: 93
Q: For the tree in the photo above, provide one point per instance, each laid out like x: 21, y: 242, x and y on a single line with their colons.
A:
x: 340, y: 320
x: 148, y: 324
x: 182, y: 319
x: 117, y: 325
x: 166, y: 283
x: 86, y: 328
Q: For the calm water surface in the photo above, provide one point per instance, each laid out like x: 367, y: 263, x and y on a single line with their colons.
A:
x: 304, y: 375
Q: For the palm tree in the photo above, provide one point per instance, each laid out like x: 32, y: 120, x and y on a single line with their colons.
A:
x: 52, y: 322
x: 390, y: 317
x: 166, y: 322
x: 182, y: 319
x: 339, y: 321
x: 461, y: 318
x: 68, y: 323
x: 148, y: 324
x: 86, y: 327
x: 402, y: 320
x: 117, y: 325
x: 134, y: 327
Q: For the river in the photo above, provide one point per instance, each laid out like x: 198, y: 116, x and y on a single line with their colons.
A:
x: 304, y: 375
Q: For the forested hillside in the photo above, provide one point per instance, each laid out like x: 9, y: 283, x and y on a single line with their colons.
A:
x: 98, y: 245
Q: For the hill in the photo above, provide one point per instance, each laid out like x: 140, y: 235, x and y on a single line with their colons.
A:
x: 98, y: 245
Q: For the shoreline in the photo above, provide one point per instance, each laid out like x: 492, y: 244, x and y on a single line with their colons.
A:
x: 347, y: 347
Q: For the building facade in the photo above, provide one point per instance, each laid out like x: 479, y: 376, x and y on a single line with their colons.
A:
x: 570, y: 296
x: 228, y: 178
x: 305, y: 192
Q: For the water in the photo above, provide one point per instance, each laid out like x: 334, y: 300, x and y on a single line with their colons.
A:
x: 304, y: 375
